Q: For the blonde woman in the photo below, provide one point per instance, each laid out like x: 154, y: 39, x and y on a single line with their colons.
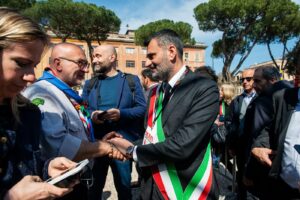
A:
x: 21, y: 45
x: 226, y: 96
x: 219, y: 130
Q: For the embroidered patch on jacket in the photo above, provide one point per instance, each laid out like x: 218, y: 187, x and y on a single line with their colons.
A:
x: 38, y: 101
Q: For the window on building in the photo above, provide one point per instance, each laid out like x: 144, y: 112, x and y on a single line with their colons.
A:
x: 143, y: 64
x: 117, y: 49
x: 144, y: 50
x: 129, y: 50
x: 130, y: 63
x: 186, y: 56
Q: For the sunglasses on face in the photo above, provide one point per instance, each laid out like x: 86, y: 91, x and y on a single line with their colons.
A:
x: 248, y: 79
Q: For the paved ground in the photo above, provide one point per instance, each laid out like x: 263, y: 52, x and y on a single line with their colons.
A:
x: 109, y: 192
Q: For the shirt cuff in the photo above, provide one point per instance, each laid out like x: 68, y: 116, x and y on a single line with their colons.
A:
x: 134, y: 155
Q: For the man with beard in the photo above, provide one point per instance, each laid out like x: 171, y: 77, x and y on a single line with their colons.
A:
x: 175, y: 154
x: 65, y: 123
x: 115, y: 106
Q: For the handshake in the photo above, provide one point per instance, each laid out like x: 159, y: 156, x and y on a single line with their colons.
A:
x: 119, y: 148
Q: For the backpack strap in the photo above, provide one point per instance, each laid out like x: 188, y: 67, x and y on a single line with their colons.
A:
x: 131, y: 83
x: 91, y: 84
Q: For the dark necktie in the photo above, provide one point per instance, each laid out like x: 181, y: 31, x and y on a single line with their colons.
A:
x: 167, y: 93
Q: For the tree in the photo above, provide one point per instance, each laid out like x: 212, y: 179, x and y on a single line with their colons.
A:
x: 17, y: 4
x: 80, y: 20
x: 49, y: 15
x: 243, y: 23
x: 94, y: 23
x: 184, y: 30
x: 285, y: 28
x: 292, y: 58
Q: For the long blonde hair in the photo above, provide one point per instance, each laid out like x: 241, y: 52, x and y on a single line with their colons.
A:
x: 16, y: 28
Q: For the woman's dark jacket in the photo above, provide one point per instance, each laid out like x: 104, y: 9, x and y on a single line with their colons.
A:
x: 19, y: 144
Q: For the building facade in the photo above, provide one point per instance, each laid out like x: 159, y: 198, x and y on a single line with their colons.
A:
x: 131, y: 58
x: 279, y: 62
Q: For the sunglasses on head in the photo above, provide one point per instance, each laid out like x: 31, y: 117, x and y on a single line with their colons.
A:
x: 248, y: 79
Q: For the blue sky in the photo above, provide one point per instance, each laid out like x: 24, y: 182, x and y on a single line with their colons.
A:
x: 135, y: 13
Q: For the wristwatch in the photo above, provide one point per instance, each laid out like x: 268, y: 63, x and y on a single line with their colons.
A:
x: 129, y: 151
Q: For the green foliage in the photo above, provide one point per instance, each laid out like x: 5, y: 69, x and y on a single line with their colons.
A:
x: 293, y: 59
x: 245, y: 23
x: 79, y: 20
x: 184, y: 30
x: 57, y: 15
x: 17, y: 4
x: 281, y: 21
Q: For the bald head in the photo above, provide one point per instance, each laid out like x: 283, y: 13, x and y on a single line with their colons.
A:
x: 109, y: 49
x: 104, y: 60
x: 66, y: 50
x: 69, y: 63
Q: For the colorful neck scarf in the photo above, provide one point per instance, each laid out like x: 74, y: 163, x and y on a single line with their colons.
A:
x: 76, y: 101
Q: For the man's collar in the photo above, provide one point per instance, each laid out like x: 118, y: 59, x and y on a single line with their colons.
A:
x: 152, y: 85
x: 177, y: 76
x: 251, y: 94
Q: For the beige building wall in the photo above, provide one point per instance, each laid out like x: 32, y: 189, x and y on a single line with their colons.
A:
x: 285, y: 75
x: 131, y: 58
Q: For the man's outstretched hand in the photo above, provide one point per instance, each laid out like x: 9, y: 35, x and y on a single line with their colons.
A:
x: 263, y: 155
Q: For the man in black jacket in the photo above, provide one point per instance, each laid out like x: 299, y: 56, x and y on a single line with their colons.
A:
x: 238, y: 109
x: 175, y: 158
x: 258, y: 116
x: 276, y: 147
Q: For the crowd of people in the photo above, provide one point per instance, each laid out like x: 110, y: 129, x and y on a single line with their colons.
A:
x: 176, y: 125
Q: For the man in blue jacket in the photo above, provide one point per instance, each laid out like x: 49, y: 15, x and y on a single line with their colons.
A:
x: 117, y: 103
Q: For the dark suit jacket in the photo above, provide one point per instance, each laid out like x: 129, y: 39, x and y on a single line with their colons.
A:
x: 259, y: 115
x: 273, y: 136
x: 284, y: 105
x: 233, y: 123
x: 186, y: 119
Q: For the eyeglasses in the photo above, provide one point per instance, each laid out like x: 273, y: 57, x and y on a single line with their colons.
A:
x: 82, y: 64
x: 248, y: 79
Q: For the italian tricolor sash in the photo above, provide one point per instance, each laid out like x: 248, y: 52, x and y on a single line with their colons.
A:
x: 165, y: 175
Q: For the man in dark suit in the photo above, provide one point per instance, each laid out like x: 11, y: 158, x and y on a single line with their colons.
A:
x: 276, y: 147
x: 236, y: 124
x: 258, y: 116
x: 175, y: 157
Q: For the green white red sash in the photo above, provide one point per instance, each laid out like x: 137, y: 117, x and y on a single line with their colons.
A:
x: 165, y: 175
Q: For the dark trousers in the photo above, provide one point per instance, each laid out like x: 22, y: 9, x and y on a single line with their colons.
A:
x: 121, y: 173
x: 280, y: 190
